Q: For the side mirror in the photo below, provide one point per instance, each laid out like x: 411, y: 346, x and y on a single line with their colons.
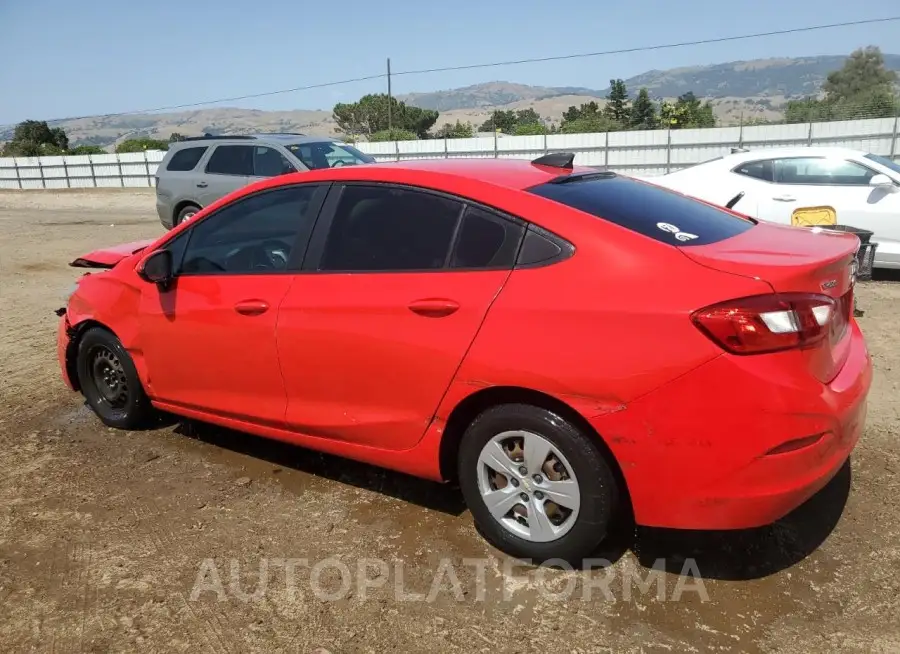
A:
x: 157, y: 269
x: 881, y: 181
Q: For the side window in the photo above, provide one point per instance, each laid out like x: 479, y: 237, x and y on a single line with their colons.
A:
x: 761, y: 170
x: 383, y: 229
x: 185, y: 159
x: 231, y: 160
x: 268, y: 162
x: 252, y: 235
x: 486, y: 241
x: 821, y: 170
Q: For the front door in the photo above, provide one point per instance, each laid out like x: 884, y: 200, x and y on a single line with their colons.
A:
x: 372, y: 334
x: 209, y: 340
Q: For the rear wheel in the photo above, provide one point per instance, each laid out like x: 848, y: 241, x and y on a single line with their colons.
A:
x: 109, y: 381
x: 186, y: 213
x: 538, y: 487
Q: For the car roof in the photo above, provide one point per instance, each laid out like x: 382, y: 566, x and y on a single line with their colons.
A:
x: 777, y: 153
x: 279, y: 137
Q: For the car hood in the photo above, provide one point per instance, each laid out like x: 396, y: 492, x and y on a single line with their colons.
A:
x: 109, y: 257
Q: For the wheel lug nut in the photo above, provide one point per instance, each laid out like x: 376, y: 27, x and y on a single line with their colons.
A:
x: 523, y: 470
x: 524, y: 497
x: 538, y: 495
x: 514, y: 481
x: 538, y: 479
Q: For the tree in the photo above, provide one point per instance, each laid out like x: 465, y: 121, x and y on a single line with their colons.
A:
x: 140, y: 145
x: 458, y: 130
x: 33, y: 138
x: 587, y: 118
x: 687, y: 112
x: 643, y: 112
x: 370, y: 115
x: 862, y: 88
x: 87, y: 149
x: 504, y: 121
x: 617, y: 106
x: 863, y: 74
x: 175, y: 137
x: 530, y: 129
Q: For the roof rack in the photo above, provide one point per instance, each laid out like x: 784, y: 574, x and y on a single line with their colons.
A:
x: 207, y: 137
x: 556, y: 160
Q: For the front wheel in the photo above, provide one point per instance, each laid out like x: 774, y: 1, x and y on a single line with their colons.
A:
x: 538, y: 488
x: 109, y: 381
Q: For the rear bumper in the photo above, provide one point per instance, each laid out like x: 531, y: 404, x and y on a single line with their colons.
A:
x: 62, y: 345
x: 698, y: 453
x: 164, y: 211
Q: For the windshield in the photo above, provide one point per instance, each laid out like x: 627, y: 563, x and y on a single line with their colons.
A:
x: 328, y: 154
x: 884, y: 161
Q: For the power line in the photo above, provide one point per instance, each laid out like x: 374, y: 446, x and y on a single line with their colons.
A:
x: 646, y: 48
x: 494, y: 64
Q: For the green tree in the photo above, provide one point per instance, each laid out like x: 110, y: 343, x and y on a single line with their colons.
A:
x: 617, y: 102
x: 175, y: 137
x: 687, y: 112
x: 862, y: 88
x: 643, y: 112
x: 370, y: 115
x: 457, y: 130
x: 140, y: 145
x: 587, y: 118
x: 504, y: 121
x: 33, y: 138
x: 87, y: 149
x: 530, y: 129
x: 393, y: 135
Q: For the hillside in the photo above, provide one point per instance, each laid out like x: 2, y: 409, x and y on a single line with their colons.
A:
x: 752, y: 89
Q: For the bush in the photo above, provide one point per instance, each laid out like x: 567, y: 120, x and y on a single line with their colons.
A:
x: 141, y: 145
x: 392, y: 135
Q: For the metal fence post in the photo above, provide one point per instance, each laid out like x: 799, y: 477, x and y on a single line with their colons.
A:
x: 397, y: 150
x: 18, y: 175
x: 545, y: 143
x: 147, y: 168
x: 668, y: 149
x: 606, y: 151
x: 446, y: 152
x: 495, y: 144
x: 66, y: 173
x: 894, y: 137
x: 809, y: 138
x: 121, y: 175
x: 41, y: 170
x: 91, y: 164
x: 741, y: 133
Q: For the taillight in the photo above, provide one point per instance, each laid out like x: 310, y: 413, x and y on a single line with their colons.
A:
x: 768, y: 323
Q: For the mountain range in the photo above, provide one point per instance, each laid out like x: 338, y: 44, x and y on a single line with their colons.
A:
x: 749, y: 89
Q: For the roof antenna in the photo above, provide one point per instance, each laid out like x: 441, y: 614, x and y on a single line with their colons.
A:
x: 556, y: 160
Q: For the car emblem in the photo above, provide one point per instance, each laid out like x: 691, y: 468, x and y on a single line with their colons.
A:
x: 831, y: 283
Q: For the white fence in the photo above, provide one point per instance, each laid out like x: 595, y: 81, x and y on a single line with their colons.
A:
x: 639, y: 153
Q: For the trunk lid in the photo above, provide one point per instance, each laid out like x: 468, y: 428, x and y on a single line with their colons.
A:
x: 109, y: 257
x: 791, y: 260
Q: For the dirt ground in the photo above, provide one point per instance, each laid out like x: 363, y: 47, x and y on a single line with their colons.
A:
x: 104, y: 535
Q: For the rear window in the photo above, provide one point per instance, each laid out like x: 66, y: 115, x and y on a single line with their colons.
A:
x: 650, y: 210
x: 186, y: 159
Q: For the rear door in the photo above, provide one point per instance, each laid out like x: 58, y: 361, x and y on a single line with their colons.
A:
x: 228, y: 168
x: 269, y: 162
x: 209, y: 340
x: 396, y: 285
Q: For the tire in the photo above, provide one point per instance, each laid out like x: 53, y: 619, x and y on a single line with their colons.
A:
x: 187, y: 212
x: 572, y: 453
x: 109, y: 381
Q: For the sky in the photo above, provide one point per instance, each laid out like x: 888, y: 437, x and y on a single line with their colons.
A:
x: 62, y: 58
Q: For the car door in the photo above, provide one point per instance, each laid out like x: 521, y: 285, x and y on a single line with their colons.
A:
x: 228, y: 168
x: 396, y: 285
x: 269, y: 162
x: 799, y: 183
x: 209, y: 340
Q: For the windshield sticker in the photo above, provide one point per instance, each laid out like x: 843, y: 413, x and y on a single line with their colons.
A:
x: 679, y: 235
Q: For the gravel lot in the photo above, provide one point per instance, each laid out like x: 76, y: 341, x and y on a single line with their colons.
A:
x: 104, y: 534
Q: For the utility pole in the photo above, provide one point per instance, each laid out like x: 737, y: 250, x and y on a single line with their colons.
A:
x: 390, y: 97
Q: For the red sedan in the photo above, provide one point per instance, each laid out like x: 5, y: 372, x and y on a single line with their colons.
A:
x: 568, y: 344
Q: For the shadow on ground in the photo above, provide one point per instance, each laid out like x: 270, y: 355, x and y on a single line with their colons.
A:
x: 730, y: 555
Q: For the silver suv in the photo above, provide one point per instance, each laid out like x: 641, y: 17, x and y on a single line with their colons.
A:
x: 199, y: 170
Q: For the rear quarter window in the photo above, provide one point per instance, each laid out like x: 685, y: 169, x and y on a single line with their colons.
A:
x: 650, y: 210
x: 186, y: 159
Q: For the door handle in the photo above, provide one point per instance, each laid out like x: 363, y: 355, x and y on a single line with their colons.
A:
x: 202, y: 184
x: 434, y: 307
x: 784, y: 198
x: 251, y: 307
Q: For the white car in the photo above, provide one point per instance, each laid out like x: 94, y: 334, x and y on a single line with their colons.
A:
x: 862, y: 189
